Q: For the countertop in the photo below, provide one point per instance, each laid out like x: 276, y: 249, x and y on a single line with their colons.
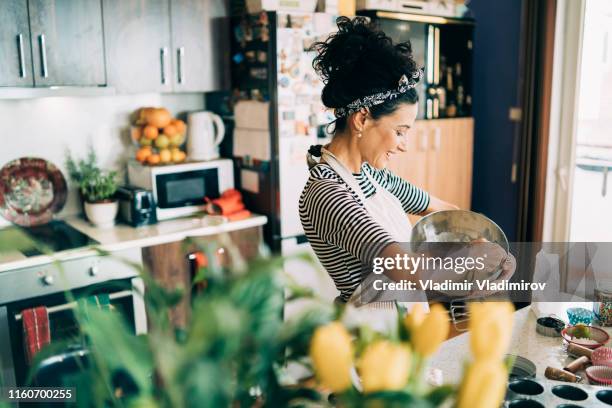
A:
x: 526, y: 342
x: 121, y: 237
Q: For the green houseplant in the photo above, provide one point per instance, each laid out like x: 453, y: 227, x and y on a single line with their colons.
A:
x: 236, y: 349
x: 96, y: 187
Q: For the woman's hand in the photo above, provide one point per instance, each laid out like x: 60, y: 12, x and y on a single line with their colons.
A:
x: 508, y: 269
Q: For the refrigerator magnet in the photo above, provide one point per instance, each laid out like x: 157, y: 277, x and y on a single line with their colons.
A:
x: 250, y: 55
x: 262, y: 56
x: 283, y: 82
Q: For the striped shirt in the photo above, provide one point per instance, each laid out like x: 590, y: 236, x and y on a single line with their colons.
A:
x: 341, y: 232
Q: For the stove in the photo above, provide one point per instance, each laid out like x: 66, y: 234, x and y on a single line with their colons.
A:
x: 54, y: 236
x: 47, y: 285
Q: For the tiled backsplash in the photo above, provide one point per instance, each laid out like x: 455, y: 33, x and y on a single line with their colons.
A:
x: 47, y: 127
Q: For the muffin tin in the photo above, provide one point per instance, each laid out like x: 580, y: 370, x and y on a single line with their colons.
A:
x: 543, y: 393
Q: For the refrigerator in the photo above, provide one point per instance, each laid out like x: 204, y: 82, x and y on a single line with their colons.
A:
x: 276, y: 115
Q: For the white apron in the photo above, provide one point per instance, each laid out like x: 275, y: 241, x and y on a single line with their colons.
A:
x: 387, y: 211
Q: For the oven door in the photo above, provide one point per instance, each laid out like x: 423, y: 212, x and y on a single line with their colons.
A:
x: 125, y: 296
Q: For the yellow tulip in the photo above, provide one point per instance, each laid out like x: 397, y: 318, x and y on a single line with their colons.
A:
x: 490, y: 329
x: 414, y: 319
x: 432, y: 332
x: 384, y: 366
x: 331, y: 351
x: 484, y: 385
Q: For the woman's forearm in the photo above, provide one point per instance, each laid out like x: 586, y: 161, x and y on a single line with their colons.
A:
x: 435, y: 204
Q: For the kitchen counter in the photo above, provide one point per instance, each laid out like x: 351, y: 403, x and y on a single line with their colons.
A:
x: 526, y: 342
x: 121, y: 237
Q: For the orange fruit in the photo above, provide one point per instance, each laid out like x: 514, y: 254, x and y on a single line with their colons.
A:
x: 178, y: 156
x: 180, y: 126
x: 143, y: 153
x: 165, y: 155
x: 159, y: 118
x: 153, y: 159
x: 150, y: 132
x: 170, y: 130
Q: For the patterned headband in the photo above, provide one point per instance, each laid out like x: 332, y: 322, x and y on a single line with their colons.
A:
x: 403, y: 86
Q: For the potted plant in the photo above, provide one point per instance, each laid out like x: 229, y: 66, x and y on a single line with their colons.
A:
x: 236, y: 348
x: 97, y: 189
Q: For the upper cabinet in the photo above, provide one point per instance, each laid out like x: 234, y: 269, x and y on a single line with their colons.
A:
x: 163, y: 46
x: 15, y: 52
x: 197, y: 44
x: 67, y: 42
x: 138, y: 45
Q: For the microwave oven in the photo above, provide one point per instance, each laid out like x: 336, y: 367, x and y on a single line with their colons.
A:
x: 179, y: 189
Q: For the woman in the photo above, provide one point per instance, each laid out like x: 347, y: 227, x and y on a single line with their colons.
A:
x: 353, y: 208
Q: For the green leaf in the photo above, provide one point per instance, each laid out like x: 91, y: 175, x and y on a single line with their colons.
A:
x: 440, y: 394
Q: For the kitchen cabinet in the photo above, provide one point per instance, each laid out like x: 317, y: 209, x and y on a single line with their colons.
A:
x: 439, y: 159
x: 162, y: 45
x: 137, y: 41
x: 197, y: 44
x: 15, y: 51
x: 67, y: 42
x: 168, y: 263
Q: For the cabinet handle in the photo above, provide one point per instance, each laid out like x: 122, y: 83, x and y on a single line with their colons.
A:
x: 437, y: 139
x: 180, y: 55
x: 22, y: 70
x: 423, y: 142
x: 163, y: 53
x: 43, y: 55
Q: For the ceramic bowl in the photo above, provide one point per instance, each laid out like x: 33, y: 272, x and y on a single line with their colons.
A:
x: 596, y: 337
x: 580, y: 315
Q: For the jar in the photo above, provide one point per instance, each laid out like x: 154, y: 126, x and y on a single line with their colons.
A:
x: 602, y: 306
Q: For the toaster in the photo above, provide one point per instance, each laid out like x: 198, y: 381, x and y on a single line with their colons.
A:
x: 136, y: 206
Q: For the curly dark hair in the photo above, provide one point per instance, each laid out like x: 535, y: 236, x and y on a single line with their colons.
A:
x: 359, y: 60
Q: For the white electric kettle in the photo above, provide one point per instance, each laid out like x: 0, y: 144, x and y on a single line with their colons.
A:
x: 205, y: 132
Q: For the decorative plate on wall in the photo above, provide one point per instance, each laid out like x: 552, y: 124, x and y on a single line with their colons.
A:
x: 31, y: 191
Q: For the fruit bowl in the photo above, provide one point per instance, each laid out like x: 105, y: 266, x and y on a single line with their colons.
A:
x: 158, y: 137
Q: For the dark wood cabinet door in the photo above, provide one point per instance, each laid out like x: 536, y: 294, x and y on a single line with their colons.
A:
x: 15, y: 52
x: 67, y: 42
x: 138, y: 45
x: 199, y: 40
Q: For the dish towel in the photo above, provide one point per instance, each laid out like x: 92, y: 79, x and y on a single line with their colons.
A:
x: 36, y: 332
x: 229, y: 205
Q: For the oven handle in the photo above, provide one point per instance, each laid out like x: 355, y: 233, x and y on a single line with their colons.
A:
x: 72, y: 305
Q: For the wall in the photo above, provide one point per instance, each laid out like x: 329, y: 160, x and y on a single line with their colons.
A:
x: 496, y: 83
x: 47, y: 127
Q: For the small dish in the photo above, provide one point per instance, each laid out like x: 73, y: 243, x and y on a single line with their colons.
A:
x: 595, y: 338
x: 549, y: 326
x: 599, y: 375
x: 602, y: 357
x: 522, y: 367
x: 580, y: 315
